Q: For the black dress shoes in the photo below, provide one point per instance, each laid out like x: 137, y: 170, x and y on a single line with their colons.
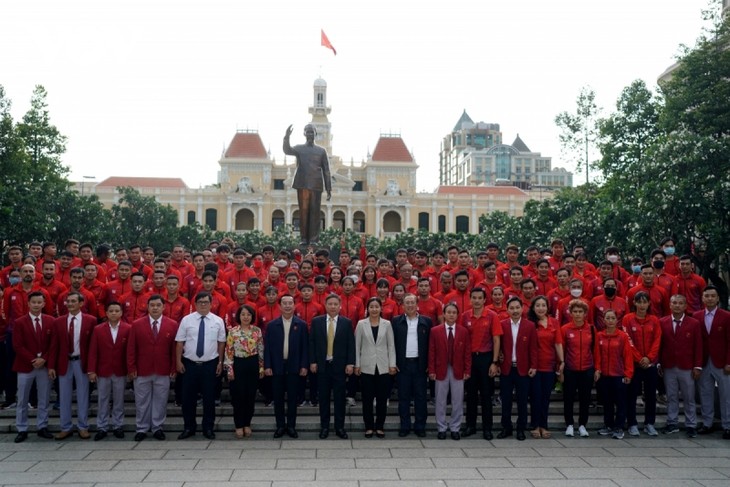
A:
x: 118, y: 433
x: 292, y: 433
x: 455, y: 435
x: 159, y: 435
x: 100, y: 435
x: 324, y: 433
x: 341, y: 433
x: 403, y: 433
x: 142, y: 436
x: 726, y: 435
x: 44, y: 433
x: 469, y: 431
x: 488, y: 435
x: 279, y: 432
x: 504, y: 434
x: 441, y: 435
x: 421, y: 433
x: 520, y: 435
x: 22, y: 436
x: 705, y: 430
x: 185, y: 434
x: 209, y: 434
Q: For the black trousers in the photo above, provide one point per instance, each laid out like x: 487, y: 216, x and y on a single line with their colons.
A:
x: 331, y: 382
x: 375, y: 386
x: 582, y: 382
x: 412, y: 386
x: 199, y: 377
x: 520, y: 384
x: 243, y: 389
x: 479, y: 390
x: 286, y: 384
x: 613, y: 391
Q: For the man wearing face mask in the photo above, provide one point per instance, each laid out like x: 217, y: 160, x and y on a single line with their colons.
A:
x: 609, y: 300
x: 562, y: 311
x: 662, y: 279
x: 671, y: 263
x: 619, y: 273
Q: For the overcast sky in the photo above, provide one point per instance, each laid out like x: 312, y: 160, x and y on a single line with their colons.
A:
x: 158, y: 88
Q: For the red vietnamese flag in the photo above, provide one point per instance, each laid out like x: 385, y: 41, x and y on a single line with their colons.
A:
x: 326, y: 42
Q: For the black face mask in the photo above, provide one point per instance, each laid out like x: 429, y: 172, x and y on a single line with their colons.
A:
x: 609, y: 291
x: 658, y: 264
x: 321, y: 265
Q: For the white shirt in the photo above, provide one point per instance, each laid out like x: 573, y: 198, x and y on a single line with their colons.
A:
x: 215, y: 331
x: 77, y: 333
x: 287, y: 327
x: 412, y: 337
x: 676, y: 322
x: 453, y: 330
x: 159, y: 323
x: 515, y: 329
x: 115, y: 331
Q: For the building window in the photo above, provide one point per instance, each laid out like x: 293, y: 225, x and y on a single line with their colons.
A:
x: 191, y: 217
x: 358, y: 222
x: 423, y: 221
x: 320, y: 100
x: 244, y: 219
x: 338, y: 220
x: 442, y: 223
x: 391, y: 222
x: 462, y: 224
x: 277, y: 219
x: 279, y: 184
x: 211, y: 218
x: 358, y: 186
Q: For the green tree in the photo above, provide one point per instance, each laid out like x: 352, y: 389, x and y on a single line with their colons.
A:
x: 579, y: 130
x: 139, y: 219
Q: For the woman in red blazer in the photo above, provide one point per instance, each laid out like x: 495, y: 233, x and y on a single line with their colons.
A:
x: 449, y: 363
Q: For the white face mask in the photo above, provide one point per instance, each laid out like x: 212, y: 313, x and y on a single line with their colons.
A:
x: 354, y: 279
x: 576, y: 292
x: 612, y: 258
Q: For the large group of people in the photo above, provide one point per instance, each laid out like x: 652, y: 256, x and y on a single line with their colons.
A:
x: 300, y: 329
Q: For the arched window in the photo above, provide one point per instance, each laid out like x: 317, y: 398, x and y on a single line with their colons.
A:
x: 211, y: 218
x: 423, y: 221
x: 442, y: 223
x: 244, y: 219
x: 462, y: 224
x: 358, y: 222
x: 277, y: 219
x: 338, y: 220
x: 191, y: 217
x: 391, y: 222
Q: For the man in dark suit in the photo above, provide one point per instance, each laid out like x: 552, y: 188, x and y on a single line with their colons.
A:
x: 31, y: 342
x: 151, y: 365
x: 715, y: 324
x: 68, y: 359
x: 285, y: 361
x: 332, y: 357
x: 411, y: 357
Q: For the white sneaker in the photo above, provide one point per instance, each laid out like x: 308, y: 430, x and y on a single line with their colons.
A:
x: 639, y: 402
x: 583, y: 431
x: 569, y: 431
x: 351, y: 401
x: 650, y: 430
x: 633, y: 430
x: 618, y: 434
x: 605, y: 431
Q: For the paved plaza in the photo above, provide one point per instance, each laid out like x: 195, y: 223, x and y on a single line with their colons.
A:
x: 665, y: 461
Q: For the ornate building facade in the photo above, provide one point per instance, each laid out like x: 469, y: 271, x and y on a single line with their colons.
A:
x: 377, y: 196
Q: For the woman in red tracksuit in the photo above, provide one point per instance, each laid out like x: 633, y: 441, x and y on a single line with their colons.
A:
x: 578, y: 338
x: 614, y: 359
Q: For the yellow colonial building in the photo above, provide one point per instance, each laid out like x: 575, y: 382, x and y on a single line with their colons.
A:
x: 376, y: 196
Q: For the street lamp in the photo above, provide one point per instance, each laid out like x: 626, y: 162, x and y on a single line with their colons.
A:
x: 83, y: 180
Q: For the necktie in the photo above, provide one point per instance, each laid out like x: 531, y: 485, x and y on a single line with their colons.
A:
x: 451, y: 345
x: 330, y: 337
x: 154, y: 329
x: 39, y: 334
x: 676, y: 326
x: 201, y: 338
x: 71, y: 336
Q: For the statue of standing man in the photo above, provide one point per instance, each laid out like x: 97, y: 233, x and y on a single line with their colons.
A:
x: 313, y: 168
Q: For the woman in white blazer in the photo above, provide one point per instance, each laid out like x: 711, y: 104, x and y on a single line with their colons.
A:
x: 375, y: 364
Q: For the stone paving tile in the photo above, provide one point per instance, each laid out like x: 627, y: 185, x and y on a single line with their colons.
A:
x: 443, y: 473
x: 32, y: 444
x: 262, y: 483
x: 627, y: 461
x: 572, y: 452
x: 712, y: 451
x: 5, y: 454
x: 75, y: 465
x: 681, y: 473
x: 704, y: 461
x: 274, y: 454
x: 235, y: 463
x: 273, y: 475
x: 90, y: 484
x: 500, y: 452
x: 521, y: 473
x: 195, y: 443
x: 563, y: 483
x: 137, y: 484
x: 250, y: 444
x: 112, y: 476
x: 108, y: 444
x: 385, y: 453
x: 403, y: 483
x: 212, y: 454
x: 125, y: 455
x: 644, y: 452
x: 156, y: 465
x: 333, y: 483
x: 653, y: 483
x: 15, y: 466
x: 358, y: 474
x: 548, y: 462
x: 189, y: 475
x: 712, y: 483
x: 48, y: 455
x: 384, y: 443
x: 592, y: 443
x: 428, y: 453
x: 662, y: 443
x: 330, y: 443
x: 489, y: 483
x: 317, y: 463
x: 426, y: 463
x: 471, y: 462
x: 724, y: 471
x: 602, y: 473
